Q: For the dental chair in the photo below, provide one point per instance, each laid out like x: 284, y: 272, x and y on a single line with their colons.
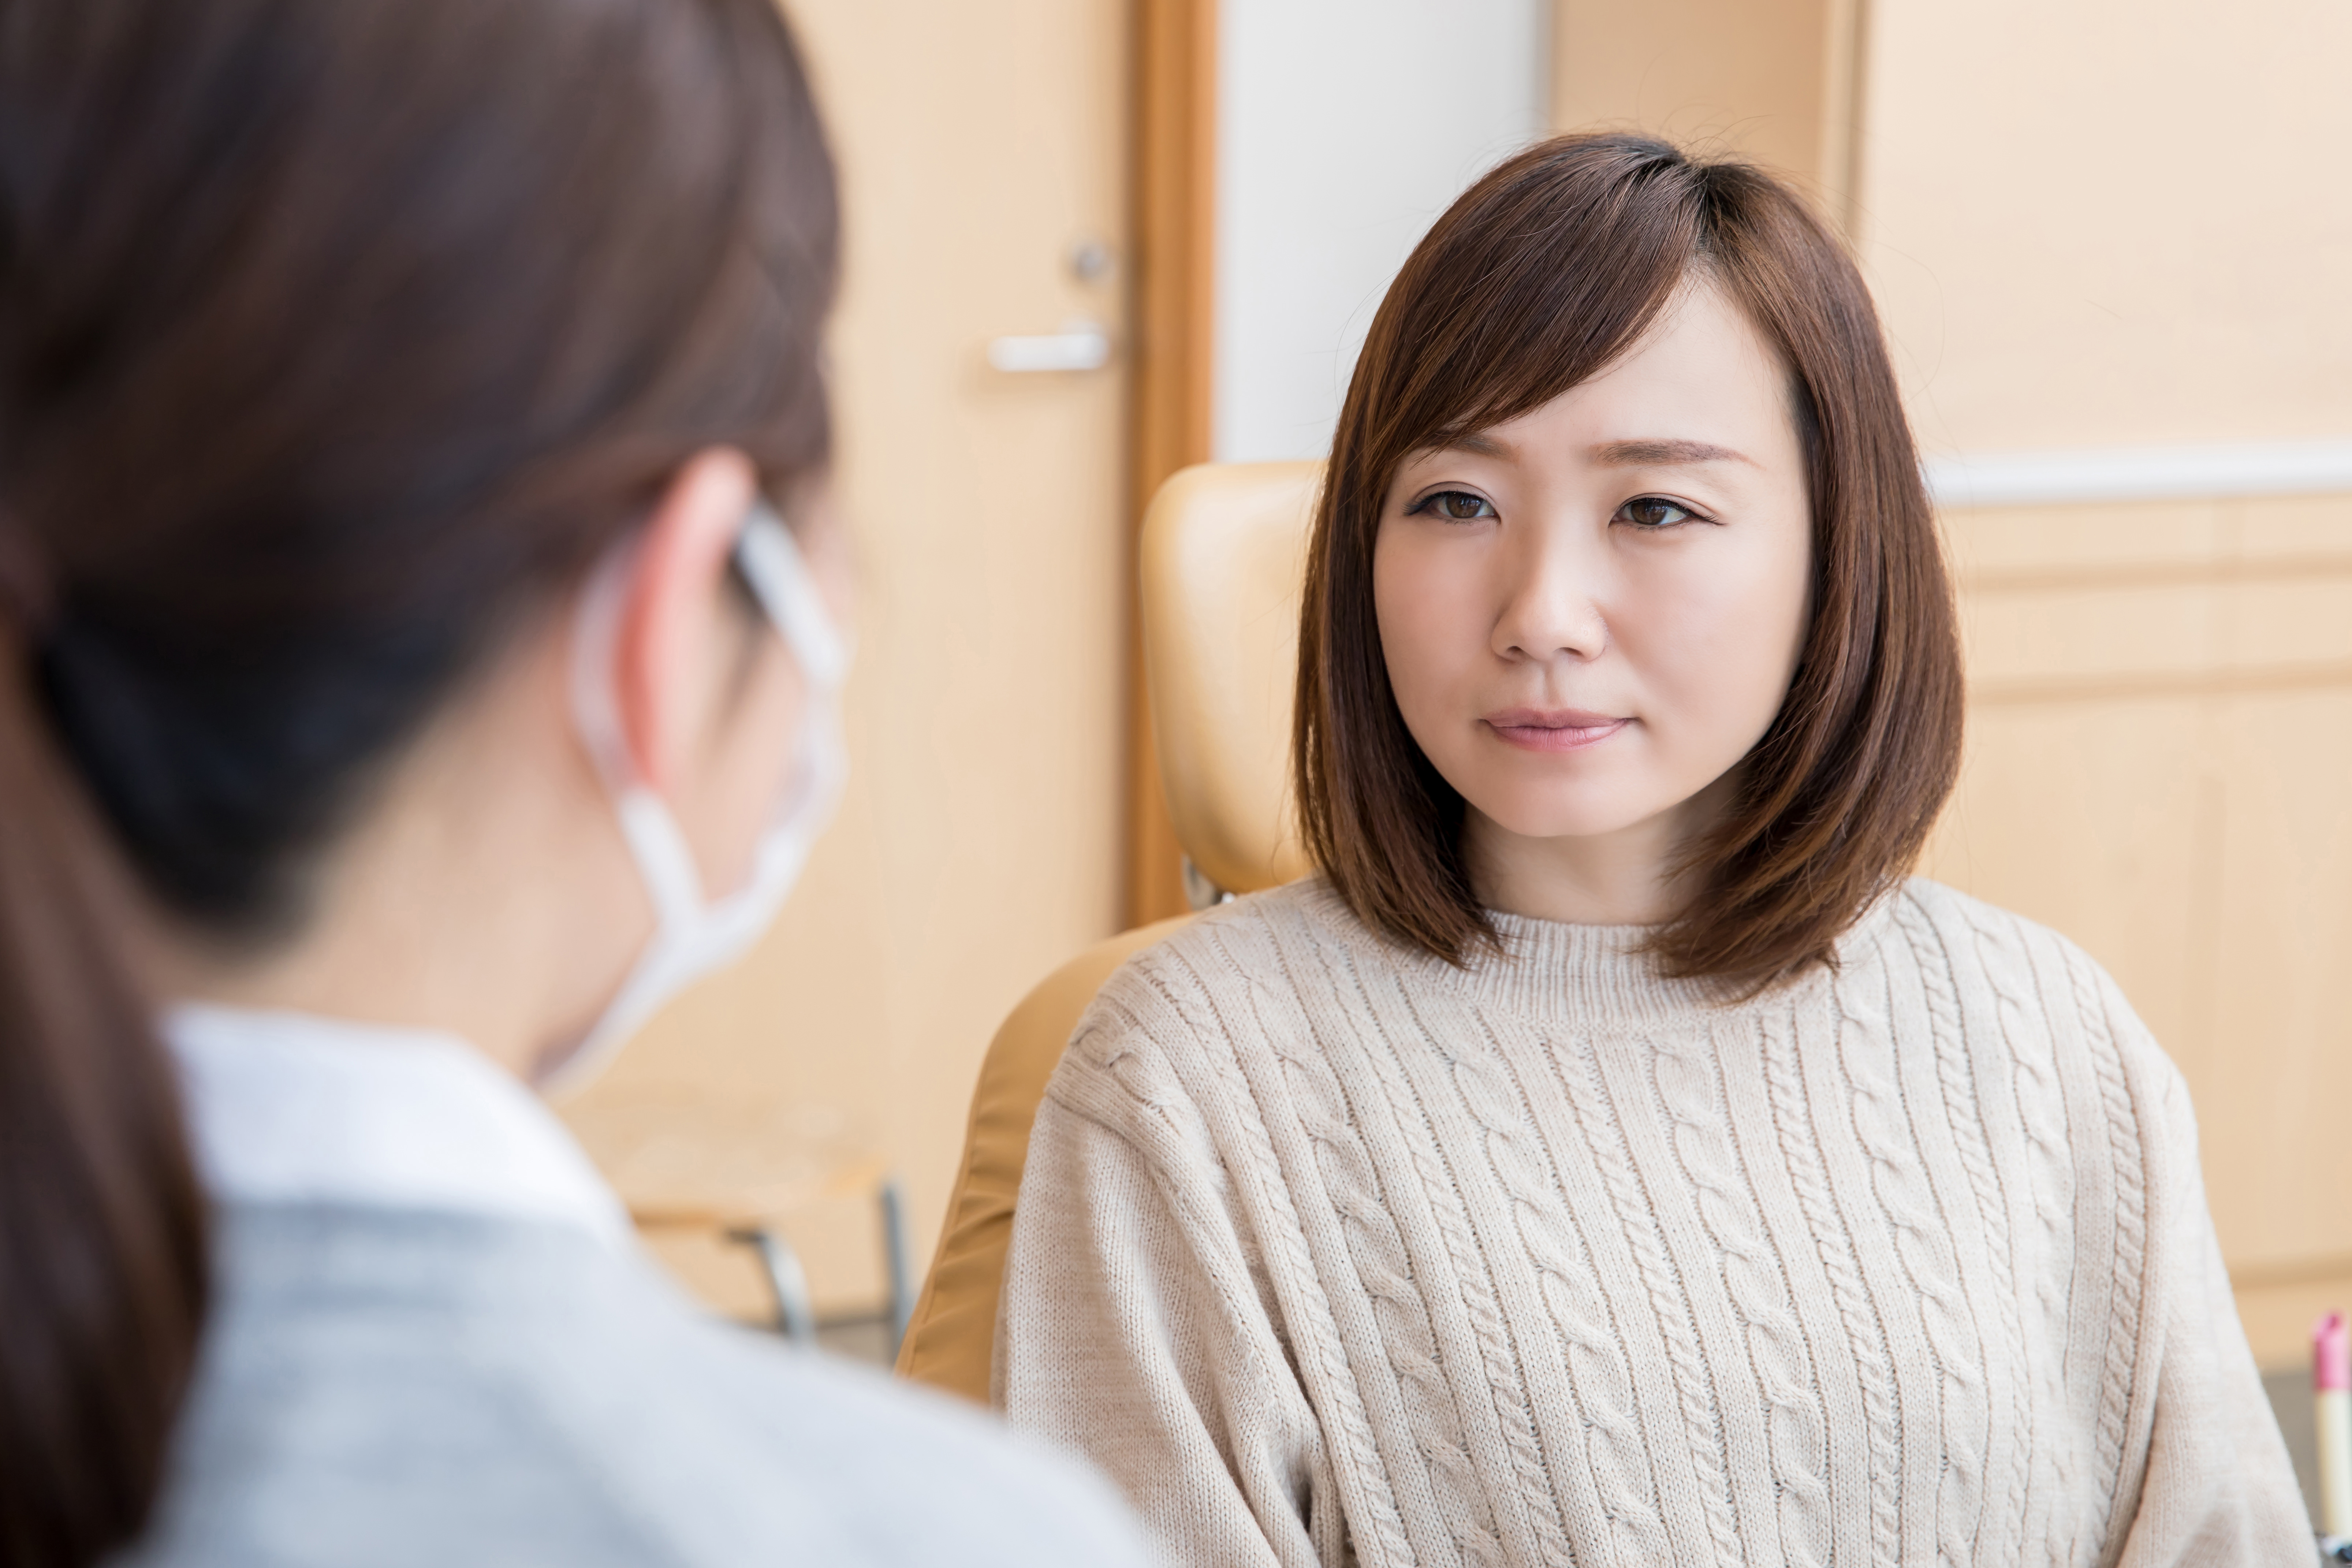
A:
x: 1222, y: 555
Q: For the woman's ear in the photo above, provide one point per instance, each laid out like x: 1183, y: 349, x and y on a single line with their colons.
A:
x: 675, y: 617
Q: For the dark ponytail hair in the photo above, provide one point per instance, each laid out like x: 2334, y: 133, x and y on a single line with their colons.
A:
x: 337, y: 337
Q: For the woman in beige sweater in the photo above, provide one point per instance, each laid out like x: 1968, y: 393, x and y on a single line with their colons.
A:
x: 1611, y: 1159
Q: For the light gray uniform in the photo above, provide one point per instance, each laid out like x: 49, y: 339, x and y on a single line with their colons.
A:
x: 422, y: 1385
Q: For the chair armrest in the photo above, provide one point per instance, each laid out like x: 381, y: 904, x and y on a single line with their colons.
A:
x: 952, y: 1337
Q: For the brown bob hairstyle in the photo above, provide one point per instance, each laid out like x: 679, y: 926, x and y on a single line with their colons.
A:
x: 1544, y: 273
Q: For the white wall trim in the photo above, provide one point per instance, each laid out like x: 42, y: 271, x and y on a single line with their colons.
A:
x: 2139, y: 473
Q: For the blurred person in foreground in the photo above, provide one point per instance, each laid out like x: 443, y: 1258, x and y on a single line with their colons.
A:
x: 407, y: 680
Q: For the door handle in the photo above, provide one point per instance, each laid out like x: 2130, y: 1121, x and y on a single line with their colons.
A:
x: 1080, y: 345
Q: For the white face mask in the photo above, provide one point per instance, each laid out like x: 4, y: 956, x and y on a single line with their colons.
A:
x: 692, y: 933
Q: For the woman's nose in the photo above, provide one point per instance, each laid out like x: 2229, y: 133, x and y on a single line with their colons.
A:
x: 1550, y: 599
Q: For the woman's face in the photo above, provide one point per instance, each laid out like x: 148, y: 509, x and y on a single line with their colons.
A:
x: 1592, y: 612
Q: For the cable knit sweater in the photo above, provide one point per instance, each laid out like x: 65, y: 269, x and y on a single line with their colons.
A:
x: 1327, y: 1251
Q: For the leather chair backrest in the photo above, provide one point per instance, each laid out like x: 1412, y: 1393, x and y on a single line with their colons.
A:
x: 1224, y: 554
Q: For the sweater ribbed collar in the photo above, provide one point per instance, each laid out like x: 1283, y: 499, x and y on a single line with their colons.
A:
x: 1578, y: 973
x: 1571, y: 974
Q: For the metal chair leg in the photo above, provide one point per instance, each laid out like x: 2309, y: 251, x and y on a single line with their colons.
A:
x: 796, y: 1317
x: 795, y: 1314
x: 898, y: 1267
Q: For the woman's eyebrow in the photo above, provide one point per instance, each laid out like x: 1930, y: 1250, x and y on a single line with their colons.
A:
x: 1660, y: 453
x: 1478, y: 443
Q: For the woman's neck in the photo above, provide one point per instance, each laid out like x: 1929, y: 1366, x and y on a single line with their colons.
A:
x: 1619, y: 878
x: 485, y: 894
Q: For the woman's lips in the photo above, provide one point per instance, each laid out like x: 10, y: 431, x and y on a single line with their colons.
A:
x: 1553, y: 729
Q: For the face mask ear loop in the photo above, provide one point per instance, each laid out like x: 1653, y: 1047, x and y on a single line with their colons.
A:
x: 780, y: 578
x: 774, y: 565
x: 693, y: 935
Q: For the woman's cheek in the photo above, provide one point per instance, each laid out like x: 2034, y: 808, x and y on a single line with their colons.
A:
x: 1434, y: 651
x: 1719, y: 648
x: 1409, y: 601
x: 1416, y: 665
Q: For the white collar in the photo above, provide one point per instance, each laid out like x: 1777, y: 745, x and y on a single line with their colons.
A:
x: 289, y: 1108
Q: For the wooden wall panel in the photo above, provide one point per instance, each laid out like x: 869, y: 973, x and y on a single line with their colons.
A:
x: 2160, y: 766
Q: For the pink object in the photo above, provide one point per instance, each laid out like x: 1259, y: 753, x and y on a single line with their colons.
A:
x: 2331, y: 1354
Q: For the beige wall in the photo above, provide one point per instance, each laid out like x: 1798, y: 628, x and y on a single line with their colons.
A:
x: 978, y: 845
x: 2088, y: 222
x: 2095, y: 222
x: 1768, y: 78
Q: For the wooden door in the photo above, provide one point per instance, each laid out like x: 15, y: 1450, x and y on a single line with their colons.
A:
x: 1175, y: 193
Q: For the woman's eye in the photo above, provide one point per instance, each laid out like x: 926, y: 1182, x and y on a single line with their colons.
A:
x: 1456, y: 506
x: 1654, y: 511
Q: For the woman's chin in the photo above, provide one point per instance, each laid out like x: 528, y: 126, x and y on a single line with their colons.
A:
x: 1589, y: 815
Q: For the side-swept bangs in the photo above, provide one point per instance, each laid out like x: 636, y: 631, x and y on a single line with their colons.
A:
x: 1542, y: 274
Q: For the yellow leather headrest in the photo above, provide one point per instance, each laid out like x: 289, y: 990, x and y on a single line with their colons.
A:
x: 1223, y: 559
